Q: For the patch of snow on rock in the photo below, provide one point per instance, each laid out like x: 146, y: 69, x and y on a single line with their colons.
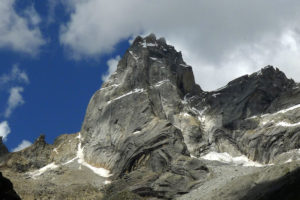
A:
x: 136, y: 132
x: 161, y: 83
x: 99, y: 171
x: 152, y: 58
x: 227, y: 158
x: 135, y: 57
x: 183, y: 65
x: 216, y: 94
x: 286, y: 124
x: 42, y: 170
x: 129, y: 93
x: 55, y: 150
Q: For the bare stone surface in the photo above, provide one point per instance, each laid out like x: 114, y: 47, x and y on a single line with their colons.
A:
x: 147, y: 131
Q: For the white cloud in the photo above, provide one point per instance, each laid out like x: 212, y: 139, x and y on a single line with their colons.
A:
x: 15, y: 99
x: 16, y: 75
x: 52, y: 5
x: 220, y: 39
x: 9, y: 81
x: 112, y: 66
x: 19, y: 33
x: 24, y: 144
x: 4, y: 129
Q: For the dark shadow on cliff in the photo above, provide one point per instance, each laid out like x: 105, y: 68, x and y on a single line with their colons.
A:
x: 284, y: 188
x: 6, y: 189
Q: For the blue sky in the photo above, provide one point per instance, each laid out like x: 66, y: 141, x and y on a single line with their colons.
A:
x: 58, y: 88
x: 54, y: 53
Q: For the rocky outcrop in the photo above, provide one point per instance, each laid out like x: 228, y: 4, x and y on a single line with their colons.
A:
x: 3, y: 148
x: 128, y: 124
x: 7, y: 190
x: 151, y: 132
x: 34, y: 157
x: 250, y: 116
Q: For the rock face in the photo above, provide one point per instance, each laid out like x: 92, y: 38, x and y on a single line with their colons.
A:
x: 3, y: 149
x: 251, y: 115
x: 151, y: 132
x: 128, y: 124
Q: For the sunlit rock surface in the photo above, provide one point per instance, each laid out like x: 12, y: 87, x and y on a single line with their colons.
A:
x: 150, y: 132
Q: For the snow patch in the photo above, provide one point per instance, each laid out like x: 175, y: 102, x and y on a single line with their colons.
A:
x: 183, y: 65
x: 129, y: 93
x: 152, y: 44
x: 283, y: 110
x: 288, y: 161
x: 216, y: 94
x: 152, y: 58
x: 185, y: 114
x: 145, y: 44
x: 80, y: 159
x: 200, y: 113
x: 42, y: 170
x: 161, y: 83
x: 227, y: 158
x: 111, y: 86
x: 192, y: 156
x: 72, y: 160
x: 288, y: 109
x: 99, y: 171
x: 55, y: 150
x: 135, y: 57
x: 286, y: 124
x: 136, y: 132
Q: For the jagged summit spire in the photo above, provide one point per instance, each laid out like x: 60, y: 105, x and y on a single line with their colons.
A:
x: 149, y: 61
x: 151, y: 38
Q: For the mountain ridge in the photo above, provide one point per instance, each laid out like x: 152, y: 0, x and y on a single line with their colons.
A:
x: 152, y: 131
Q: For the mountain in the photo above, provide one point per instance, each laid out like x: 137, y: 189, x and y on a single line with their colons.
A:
x: 150, y: 132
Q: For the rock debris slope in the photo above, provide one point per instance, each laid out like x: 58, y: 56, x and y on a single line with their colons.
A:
x: 151, y: 132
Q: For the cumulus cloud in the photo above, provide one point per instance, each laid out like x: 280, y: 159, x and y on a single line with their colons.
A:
x: 112, y: 66
x: 15, y: 99
x: 19, y: 33
x: 15, y: 76
x: 24, y: 144
x: 4, y: 129
x: 220, y: 39
x: 9, y: 81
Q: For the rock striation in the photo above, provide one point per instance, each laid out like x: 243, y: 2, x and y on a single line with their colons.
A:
x: 128, y: 126
x: 150, y: 132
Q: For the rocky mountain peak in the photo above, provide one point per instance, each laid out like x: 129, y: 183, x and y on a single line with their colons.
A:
x: 150, y: 130
x: 269, y: 74
x: 264, y: 78
x: 3, y: 148
x: 253, y: 94
x: 40, y: 140
x: 150, y: 61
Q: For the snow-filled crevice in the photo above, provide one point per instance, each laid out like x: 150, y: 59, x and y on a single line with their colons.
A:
x: 227, y: 158
x: 80, y: 159
x: 42, y: 170
x: 137, y: 90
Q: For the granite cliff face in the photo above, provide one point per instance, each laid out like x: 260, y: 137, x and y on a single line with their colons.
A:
x: 151, y: 132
